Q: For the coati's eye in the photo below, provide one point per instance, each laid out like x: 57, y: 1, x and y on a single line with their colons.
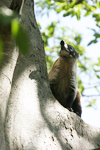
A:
x: 71, y: 49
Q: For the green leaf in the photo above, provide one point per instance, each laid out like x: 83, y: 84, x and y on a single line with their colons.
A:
x: 99, y: 59
x: 97, y: 89
x: 93, y: 102
x: 98, y: 76
x: 66, y: 14
x: 98, y: 4
x: 96, y: 70
x: 89, y: 105
x: 97, y: 64
x: 20, y: 36
x: 80, y: 85
x: 93, y: 41
x: 39, y: 25
x: 97, y: 17
x: 78, y: 14
x: 7, y: 15
x: 96, y: 149
x: 87, y: 13
x: 82, y: 66
x: 97, y: 35
x: 15, y: 28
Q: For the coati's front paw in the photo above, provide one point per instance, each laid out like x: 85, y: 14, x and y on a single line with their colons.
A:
x: 78, y: 114
x: 70, y: 109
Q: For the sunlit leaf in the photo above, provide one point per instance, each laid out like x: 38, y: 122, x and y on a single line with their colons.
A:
x: 15, y: 28
x: 97, y: 89
x: 89, y: 105
x: 98, y: 4
x: 78, y: 14
x: 93, y: 102
x: 97, y: 17
x: 97, y: 64
x: 99, y: 59
x: 87, y: 13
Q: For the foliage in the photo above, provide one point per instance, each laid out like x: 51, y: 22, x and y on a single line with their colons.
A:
x: 8, y: 17
x: 96, y: 34
x: 97, y: 149
x: 53, y: 33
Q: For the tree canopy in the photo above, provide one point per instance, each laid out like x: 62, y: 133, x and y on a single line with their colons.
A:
x: 56, y: 31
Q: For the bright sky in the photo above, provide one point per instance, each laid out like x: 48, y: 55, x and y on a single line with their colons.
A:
x: 89, y: 115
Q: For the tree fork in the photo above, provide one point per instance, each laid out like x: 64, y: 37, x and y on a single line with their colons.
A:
x: 34, y: 119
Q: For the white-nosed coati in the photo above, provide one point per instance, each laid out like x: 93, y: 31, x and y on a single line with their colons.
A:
x: 63, y: 79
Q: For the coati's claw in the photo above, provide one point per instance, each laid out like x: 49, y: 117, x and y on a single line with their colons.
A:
x: 70, y: 109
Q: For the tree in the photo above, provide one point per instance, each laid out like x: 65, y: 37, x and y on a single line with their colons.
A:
x: 30, y: 117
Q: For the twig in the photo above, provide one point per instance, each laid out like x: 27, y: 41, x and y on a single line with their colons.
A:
x: 90, y: 95
x: 92, y: 87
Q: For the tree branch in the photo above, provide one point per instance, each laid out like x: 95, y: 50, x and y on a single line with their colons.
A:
x: 90, y: 95
x: 92, y: 87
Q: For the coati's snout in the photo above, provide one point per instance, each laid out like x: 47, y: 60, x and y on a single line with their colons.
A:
x: 68, y: 50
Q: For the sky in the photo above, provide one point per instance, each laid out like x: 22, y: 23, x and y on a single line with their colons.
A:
x: 90, y: 115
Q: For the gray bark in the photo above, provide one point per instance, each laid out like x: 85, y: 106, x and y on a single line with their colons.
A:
x: 7, y: 66
x: 30, y: 117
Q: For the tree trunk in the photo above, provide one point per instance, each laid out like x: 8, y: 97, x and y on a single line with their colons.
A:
x: 30, y: 117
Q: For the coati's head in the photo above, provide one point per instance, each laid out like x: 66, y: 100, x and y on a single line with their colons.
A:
x: 68, y: 51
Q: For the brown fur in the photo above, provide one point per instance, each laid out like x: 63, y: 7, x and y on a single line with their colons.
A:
x: 63, y: 82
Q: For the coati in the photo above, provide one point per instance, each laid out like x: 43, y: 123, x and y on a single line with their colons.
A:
x: 63, y: 79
